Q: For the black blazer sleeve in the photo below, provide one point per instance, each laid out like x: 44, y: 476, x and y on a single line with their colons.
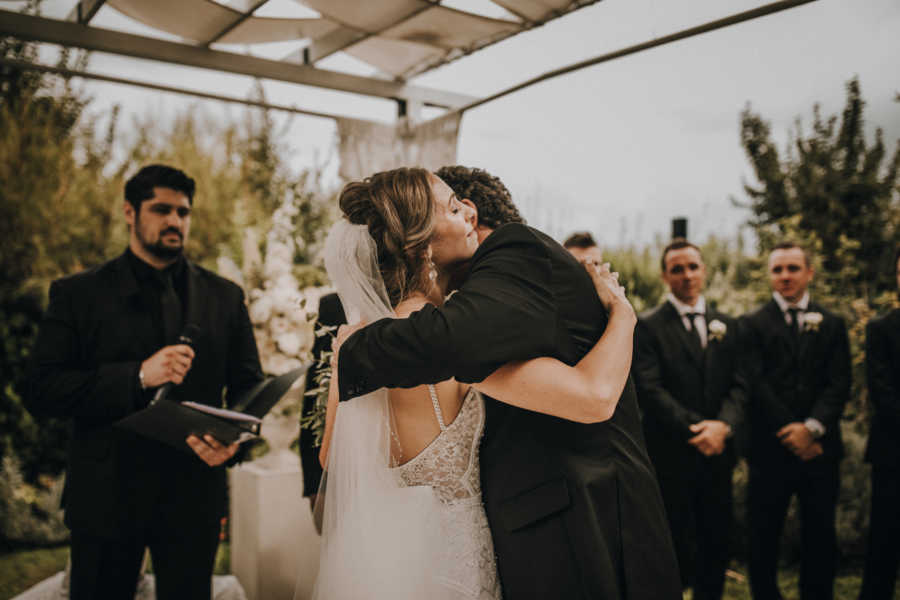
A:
x: 60, y: 386
x: 830, y: 402
x: 653, y: 397
x: 504, y: 311
x: 880, y: 374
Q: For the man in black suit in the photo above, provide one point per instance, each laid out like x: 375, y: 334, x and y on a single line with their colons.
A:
x: 331, y: 314
x: 693, y: 394
x: 883, y: 452
x: 108, y: 341
x: 574, y: 509
x: 799, y: 364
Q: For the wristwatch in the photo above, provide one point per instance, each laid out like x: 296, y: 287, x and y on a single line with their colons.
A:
x: 141, y: 379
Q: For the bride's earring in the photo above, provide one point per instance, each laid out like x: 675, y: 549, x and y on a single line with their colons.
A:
x: 432, y: 270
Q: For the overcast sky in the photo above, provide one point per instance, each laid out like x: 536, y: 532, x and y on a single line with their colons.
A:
x: 619, y: 148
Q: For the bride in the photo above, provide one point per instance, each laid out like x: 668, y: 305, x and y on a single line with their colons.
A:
x: 402, y: 512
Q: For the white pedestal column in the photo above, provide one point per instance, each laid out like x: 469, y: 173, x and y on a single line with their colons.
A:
x: 274, y: 544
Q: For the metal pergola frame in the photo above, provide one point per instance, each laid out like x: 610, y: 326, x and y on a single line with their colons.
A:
x: 75, y: 31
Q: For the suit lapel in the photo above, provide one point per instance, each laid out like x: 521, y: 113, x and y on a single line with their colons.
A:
x: 780, y: 328
x: 676, y: 326
x: 807, y: 336
x: 711, y: 344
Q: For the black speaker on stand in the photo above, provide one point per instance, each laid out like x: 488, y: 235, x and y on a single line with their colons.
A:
x: 679, y: 228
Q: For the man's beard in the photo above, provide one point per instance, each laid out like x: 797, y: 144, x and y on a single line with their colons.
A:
x: 158, y: 249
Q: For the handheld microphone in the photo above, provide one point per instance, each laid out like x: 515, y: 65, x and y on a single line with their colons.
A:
x: 187, y: 337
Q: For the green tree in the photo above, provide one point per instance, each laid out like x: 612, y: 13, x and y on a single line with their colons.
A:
x: 842, y: 190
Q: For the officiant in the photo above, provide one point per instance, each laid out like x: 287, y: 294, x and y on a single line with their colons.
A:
x: 111, y: 338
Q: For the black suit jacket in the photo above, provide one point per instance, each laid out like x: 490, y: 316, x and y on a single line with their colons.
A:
x: 574, y: 509
x: 96, y: 332
x: 679, y: 383
x: 331, y: 313
x: 794, y: 380
x: 883, y: 376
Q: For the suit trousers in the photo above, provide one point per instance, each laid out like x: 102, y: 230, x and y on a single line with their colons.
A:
x: 699, y: 512
x: 771, y: 487
x: 883, y: 553
x: 183, y: 561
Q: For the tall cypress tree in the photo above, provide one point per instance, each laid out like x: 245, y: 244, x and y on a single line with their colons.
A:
x: 833, y: 184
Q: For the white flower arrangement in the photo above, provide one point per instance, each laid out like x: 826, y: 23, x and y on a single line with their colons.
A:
x: 717, y: 330
x: 811, y: 321
x: 282, y: 321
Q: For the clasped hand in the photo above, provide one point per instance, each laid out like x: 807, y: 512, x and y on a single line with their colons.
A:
x: 797, y: 438
x: 710, y: 436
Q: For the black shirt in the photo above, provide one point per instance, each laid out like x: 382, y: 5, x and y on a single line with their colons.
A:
x: 151, y: 284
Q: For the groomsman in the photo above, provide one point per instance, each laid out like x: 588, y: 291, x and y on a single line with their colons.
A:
x: 799, y: 362
x: 883, y: 451
x: 692, y: 393
x: 582, y: 246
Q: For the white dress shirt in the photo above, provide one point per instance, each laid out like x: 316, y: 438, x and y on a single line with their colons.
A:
x: 816, y: 428
x: 683, y: 309
x: 801, y: 304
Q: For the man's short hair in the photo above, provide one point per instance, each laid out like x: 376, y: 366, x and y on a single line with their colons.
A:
x: 677, y: 244
x: 790, y: 245
x: 487, y: 193
x: 140, y: 186
x: 580, y: 239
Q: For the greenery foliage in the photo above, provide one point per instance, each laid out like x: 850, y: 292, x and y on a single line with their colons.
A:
x: 832, y: 185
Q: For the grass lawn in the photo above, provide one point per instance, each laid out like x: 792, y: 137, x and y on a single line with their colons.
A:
x: 846, y: 586
x: 21, y: 570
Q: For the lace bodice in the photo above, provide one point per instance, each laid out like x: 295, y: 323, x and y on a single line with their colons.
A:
x: 449, y: 465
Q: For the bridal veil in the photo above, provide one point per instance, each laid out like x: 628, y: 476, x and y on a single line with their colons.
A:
x: 379, y: 539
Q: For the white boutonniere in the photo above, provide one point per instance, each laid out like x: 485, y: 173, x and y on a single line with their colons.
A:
x: 811, y: 321
x: 717, y: 329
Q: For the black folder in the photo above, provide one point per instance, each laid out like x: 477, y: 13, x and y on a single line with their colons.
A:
x: 172, y: 422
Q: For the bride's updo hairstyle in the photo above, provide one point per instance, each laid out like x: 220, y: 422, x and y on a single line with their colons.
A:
x: 398, y: 209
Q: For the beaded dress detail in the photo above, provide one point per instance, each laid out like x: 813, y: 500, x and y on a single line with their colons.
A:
x: 449, y: 465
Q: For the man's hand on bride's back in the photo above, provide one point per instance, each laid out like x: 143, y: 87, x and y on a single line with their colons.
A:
x: 610, y: 291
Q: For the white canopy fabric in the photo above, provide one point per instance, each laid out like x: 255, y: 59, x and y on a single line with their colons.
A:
x: 399, y: 38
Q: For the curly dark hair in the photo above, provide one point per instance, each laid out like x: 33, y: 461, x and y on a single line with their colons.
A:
x: 487, y: 193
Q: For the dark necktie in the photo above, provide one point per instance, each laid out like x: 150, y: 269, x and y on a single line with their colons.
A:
x: 795, y: 321
x: 170, y: 309
x: 692, y: 328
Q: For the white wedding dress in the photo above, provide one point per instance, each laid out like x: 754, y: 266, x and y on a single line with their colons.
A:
x: 449, y: 465
x: 415, y: 531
